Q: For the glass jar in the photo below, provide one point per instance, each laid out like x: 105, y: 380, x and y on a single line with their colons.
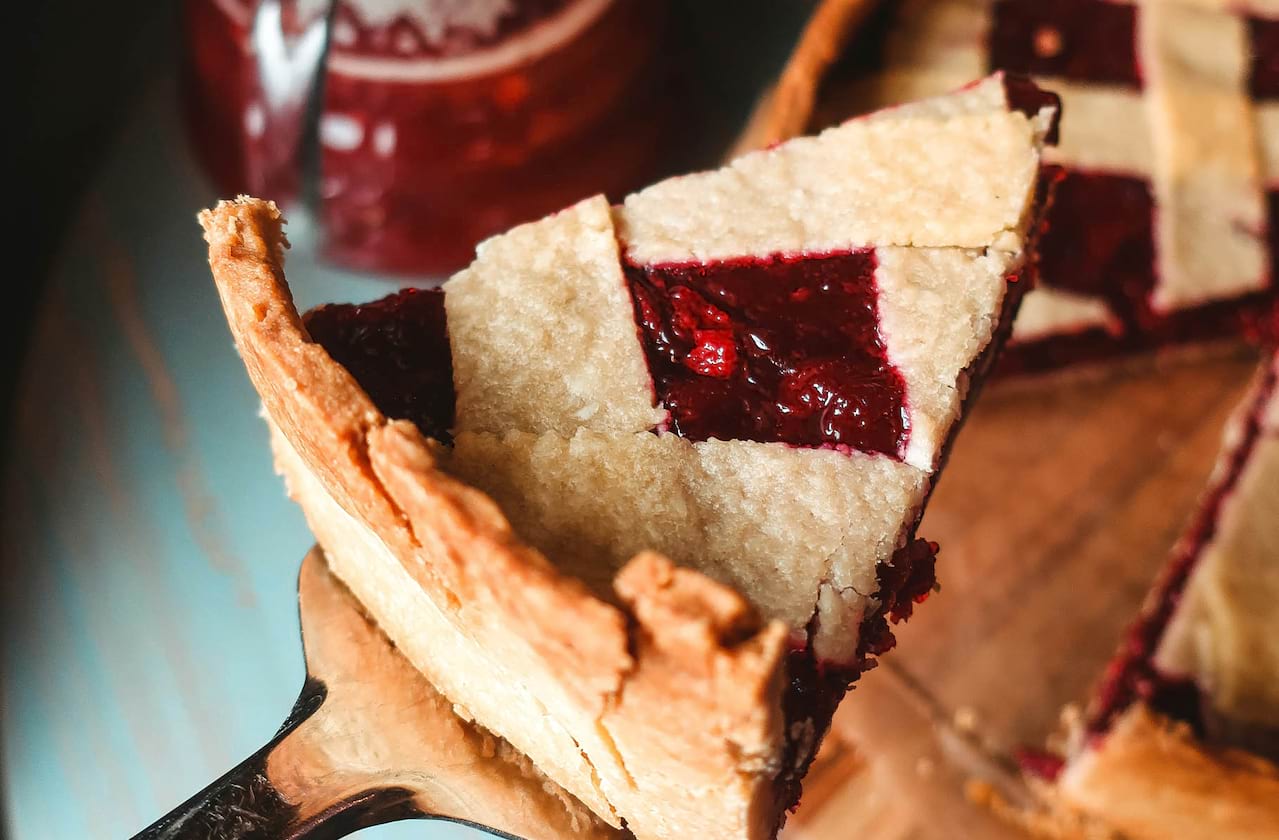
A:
x: 442, y: 121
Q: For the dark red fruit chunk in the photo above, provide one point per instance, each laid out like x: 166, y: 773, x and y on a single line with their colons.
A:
x: 1083, y: 40
x: 814, y: 688
x: 778, y: 349
x: 904, y: 582
x: 1263, y: 76
x: 1029, y: 98
x: 397, y: 348
x: 1100, y: 239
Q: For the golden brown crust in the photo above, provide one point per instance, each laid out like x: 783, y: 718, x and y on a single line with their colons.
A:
x: 482, y: 561
x: 690, y: 657
x: 1150, y: 779
x: 682, y: 619
x: 320, y: 406
x: 378, y: 704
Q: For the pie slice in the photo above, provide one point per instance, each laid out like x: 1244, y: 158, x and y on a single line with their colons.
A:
x: 638, y: 489
x: 1163, y: 229
x: 1182, y: 736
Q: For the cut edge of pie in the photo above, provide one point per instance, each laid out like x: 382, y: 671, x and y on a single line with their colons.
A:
x: 600, y: 691
x: 1182, y: 733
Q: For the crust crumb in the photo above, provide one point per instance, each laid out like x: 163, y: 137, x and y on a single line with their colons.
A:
x: 1053, y: 821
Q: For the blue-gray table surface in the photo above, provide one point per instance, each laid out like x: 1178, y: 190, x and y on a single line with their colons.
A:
x: 151, y: 632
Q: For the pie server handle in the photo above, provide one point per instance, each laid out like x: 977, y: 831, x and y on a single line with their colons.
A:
x: 370, y: 741
x: 246, y: 804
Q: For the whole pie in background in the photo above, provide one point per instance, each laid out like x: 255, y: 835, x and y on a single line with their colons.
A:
x: 1163, y: 229
x: 638, y: 489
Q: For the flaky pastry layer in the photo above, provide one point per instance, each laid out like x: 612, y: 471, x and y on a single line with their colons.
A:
x: 599, y: 695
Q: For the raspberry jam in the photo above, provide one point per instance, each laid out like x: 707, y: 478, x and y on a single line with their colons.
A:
x: 784, y: 348
x: 1263, y: 74
x: 1100, y: 239
x: 1082, y: 40
x: 397, y: 348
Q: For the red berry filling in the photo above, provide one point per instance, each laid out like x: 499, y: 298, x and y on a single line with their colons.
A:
x: 397, y: 348
x: 784, y: 348
x: 1084, y: 40
x: 814, y: 689
x: 1029, y: 98
x: 1263, y: 75
x: 1100, y: 239
x: 1039, y: 763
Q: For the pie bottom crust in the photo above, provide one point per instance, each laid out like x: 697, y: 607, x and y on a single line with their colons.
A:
x: 663, y: 713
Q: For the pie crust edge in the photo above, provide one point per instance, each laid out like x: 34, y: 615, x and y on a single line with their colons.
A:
x: 682, y: 647
x: 1149, y: 778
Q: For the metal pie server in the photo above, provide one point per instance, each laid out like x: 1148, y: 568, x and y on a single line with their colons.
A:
x: 370, y: 741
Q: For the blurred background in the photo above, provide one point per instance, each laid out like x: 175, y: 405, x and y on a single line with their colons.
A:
x: 150, y: 634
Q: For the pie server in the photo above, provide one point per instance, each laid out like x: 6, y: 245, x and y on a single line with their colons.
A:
x: 370, y: 741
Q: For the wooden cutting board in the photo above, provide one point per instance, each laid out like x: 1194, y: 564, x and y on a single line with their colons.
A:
x: 1059, y: 505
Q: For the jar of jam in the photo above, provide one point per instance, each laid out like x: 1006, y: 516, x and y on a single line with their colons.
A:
x: 441, y: 121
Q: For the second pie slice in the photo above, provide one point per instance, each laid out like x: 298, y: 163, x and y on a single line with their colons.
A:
x: 638, y: 490
x: 1182, y: 735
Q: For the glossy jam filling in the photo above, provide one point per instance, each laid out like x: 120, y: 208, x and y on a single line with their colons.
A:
x: 780, y: 349
x: 1081, y: 40
x: 1263, y: 74
x: 1132, y: 675
x: 814, y: 689
x: 397, y: 348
